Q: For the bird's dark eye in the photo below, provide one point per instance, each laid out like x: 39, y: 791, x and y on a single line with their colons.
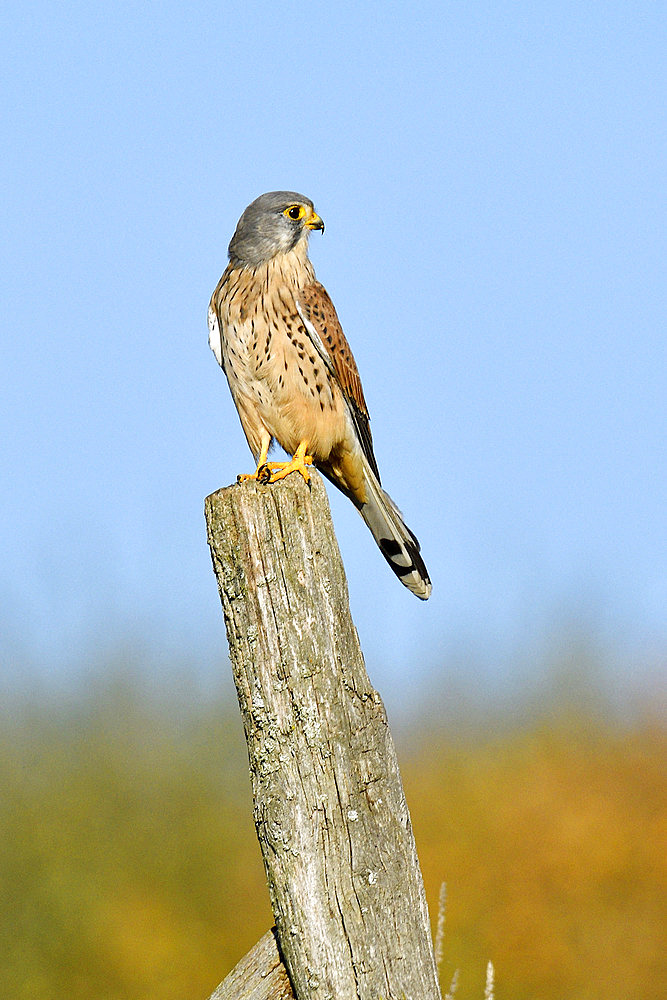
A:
x: 295, y: 212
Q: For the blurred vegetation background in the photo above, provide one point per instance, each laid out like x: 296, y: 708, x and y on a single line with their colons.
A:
x: 130, y: 870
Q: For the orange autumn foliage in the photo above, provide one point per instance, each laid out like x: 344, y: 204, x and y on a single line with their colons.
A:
x: 130, y: 869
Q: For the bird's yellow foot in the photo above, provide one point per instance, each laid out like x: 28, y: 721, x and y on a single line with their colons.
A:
x: 246, y: 477
x: 260, y: 473
x: 279, y: 470
x: 271, y: 472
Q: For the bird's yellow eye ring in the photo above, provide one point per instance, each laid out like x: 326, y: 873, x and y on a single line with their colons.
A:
x: 295, y: 212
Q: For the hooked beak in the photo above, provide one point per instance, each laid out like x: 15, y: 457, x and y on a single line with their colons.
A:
x: 314, y: 222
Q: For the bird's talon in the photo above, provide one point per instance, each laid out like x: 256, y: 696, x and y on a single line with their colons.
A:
x: 264, y: 475
x: 280, y: 470
x: 250, y: 477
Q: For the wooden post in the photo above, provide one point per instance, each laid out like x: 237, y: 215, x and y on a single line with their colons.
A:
x: 331, y: 817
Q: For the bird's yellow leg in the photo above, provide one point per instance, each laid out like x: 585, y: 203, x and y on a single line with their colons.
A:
x: 279, y: 470
x: 261, y: 462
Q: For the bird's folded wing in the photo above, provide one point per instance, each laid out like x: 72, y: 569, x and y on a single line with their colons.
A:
x: 319, y: 317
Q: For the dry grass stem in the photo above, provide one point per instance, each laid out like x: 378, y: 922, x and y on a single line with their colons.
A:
x: 440, y: 929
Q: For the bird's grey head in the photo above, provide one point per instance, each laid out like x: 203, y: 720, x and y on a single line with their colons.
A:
x: 274, y: 223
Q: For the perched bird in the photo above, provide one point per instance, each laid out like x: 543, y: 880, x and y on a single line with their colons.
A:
x: 276, y: 335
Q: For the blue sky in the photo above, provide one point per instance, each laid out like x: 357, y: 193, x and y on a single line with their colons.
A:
x: 492, y: 178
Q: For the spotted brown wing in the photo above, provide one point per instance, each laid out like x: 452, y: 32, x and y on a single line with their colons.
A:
x: 323, y: 327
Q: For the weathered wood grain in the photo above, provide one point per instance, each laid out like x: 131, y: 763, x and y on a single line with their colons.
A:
x: 329, y: 808
x: 260, y: 975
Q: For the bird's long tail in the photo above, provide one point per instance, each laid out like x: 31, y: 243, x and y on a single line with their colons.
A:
x: 397, y: 543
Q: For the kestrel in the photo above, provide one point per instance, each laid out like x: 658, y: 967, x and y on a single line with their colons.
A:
x: 276, y: 335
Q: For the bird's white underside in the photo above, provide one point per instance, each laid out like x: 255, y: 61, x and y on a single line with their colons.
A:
x: 214, y: 338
